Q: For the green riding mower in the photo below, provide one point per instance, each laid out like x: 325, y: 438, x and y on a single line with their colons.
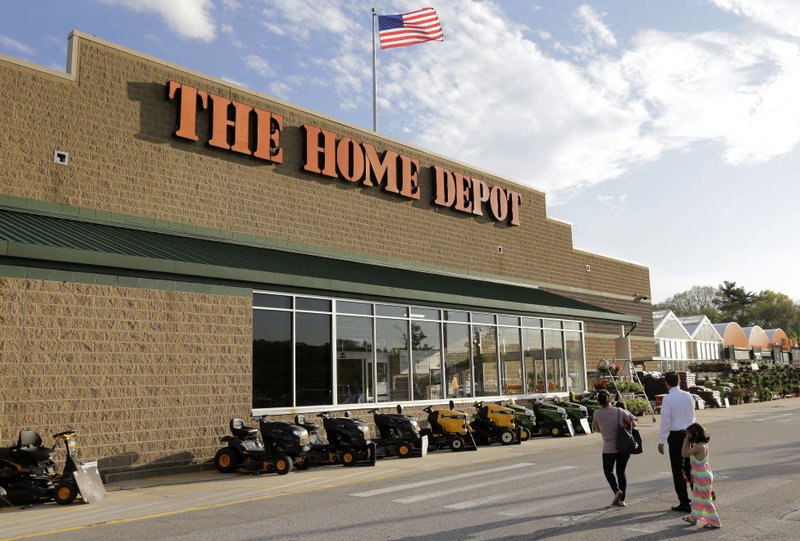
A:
x: 578, y: 414
x: 524, y: 418
x: 551, y: 420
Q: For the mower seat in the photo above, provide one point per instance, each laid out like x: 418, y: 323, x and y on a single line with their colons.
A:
x: 29, y: 447
x: 242, y: 431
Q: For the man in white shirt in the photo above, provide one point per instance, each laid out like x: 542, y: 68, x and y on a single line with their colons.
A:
x: 677, y: 413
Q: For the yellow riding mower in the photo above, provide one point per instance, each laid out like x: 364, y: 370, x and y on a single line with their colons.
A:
x: 495, y: 423
x: 448, y: 428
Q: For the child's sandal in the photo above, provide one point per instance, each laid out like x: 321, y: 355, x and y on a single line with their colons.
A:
x: 689, y: 519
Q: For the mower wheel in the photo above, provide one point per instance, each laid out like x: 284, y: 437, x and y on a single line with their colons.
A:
x: 456, y: 443
x: 555, y: 431
x: 283, y: 465
x: 301, y: 463
x: 227, y: 459
x: 506, y: 437
x: 348, y: 457
x: 525, y: 435
x: 403, y: 450
x: 65, y: 493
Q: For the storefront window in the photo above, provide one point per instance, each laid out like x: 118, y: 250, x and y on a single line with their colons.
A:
x: 456, y: 358
x: 426, y: 358
x: 554, y: 361
x: 313, y: 359
x: 272, y: 359
x: 511, y: 359
x: 392, y: 366
x: 484, y: 351
x: 534, y: 360
x: 576, y: 373
x: 354, y: 360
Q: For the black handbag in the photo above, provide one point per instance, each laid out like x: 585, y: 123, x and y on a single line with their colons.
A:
x: 629, y: 441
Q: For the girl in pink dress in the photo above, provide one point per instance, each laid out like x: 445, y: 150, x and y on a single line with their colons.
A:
x: 695, y: 447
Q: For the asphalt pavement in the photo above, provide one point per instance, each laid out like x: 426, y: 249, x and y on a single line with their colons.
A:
x: 160, y: 498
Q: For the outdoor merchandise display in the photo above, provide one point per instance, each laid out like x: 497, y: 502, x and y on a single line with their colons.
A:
x: 578, y: 414
x: 347, y: 440
x: 551, y: 420
x: 525, y: 419
x: 398, y: 435
x: 28, y: 473
x: 448, y: 428
x: 274, y: 452
x: 494, y: 423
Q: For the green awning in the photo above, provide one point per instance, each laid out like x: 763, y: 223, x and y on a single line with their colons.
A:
x: 39, y: 239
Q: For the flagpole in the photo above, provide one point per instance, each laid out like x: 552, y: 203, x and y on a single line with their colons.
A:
x: 374, y: 78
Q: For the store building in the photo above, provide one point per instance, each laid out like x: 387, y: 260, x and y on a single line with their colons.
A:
x: 176, y: 251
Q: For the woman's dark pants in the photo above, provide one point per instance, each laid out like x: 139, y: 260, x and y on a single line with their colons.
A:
x: 621, y: 461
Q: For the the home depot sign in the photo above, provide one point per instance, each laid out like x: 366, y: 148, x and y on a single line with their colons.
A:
x: 255, y: 132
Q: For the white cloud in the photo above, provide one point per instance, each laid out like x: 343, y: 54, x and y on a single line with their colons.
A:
x: 258, y: 65
x: 190, y: 19
x: 596, y: 34
x: 10, y: 43
x: 780, y: 15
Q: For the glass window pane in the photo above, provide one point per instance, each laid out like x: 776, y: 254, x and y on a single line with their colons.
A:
x: 534, y: 360
x: 478, y: 317
x: 531, y: 322
x: 391, y: 310
x: 484, y: 351
x: 451, y: 315
x: 511, y: 359
x: 424, y: 313
x: 271, y: 301
x: 575, y: 368
x: 572, y: 325
x: 456, y: 355
x: 554, y: 361
x: 347, y: 307
x: 354, y: 359
x: 313, y: 359
x: 426, y: 356
x: 392, y: 360
x: 507, y: 320
x: 551, y: 324
x: 272, y: 359
x: 315, y: 305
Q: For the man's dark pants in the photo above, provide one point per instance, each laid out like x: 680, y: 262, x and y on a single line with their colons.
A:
x: 680, y: 466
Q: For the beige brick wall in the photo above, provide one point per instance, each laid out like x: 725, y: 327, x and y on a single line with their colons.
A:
x: 117, y: 126
x: 146, y: 377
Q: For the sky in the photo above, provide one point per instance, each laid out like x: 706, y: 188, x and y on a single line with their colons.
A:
x: 666, y: 133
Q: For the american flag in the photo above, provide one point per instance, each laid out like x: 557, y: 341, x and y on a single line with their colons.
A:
x: 409, y: 28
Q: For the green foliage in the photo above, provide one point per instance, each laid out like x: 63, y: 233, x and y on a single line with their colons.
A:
x: 732, y: 301
x: 637, y: 406
x: 695, y: 301
x: 625, y: 386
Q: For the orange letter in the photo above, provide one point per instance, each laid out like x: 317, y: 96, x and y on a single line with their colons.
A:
x: 498, y: 203
x: 377, y: 170
x: 314, y: 138
x: 268, y: 148
x: 480, y: 195
x: 445, y: 187
x: 463, y: 184
x: 408, y: 177
x: 187, y: 115
x: 515, y: 199
x: 350, y: 159
x: 220, y: 124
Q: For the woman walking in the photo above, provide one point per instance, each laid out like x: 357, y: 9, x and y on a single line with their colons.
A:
x: 607, y: 421
x: 695, y: 447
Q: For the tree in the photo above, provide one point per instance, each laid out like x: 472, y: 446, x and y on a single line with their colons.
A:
x: 771, y: 310
x: 732, y: 301
x: 695, y: 301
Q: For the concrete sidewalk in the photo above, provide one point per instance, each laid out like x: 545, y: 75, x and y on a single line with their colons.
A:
x: 148, y: 498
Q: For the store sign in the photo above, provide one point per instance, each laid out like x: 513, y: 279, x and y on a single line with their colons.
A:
x: 255, y: 132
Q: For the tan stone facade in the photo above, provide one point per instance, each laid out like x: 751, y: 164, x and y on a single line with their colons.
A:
x: 151, y: 377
